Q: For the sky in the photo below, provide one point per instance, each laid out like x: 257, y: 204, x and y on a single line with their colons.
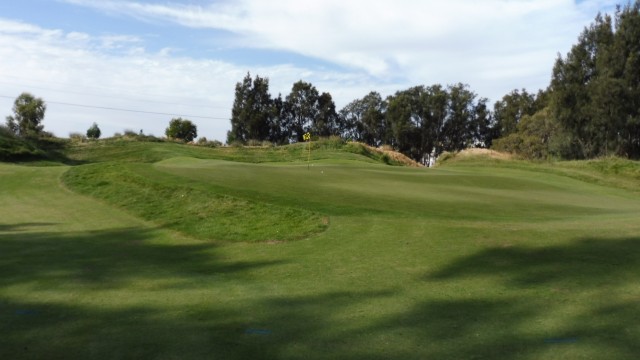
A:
x: 136, y: 64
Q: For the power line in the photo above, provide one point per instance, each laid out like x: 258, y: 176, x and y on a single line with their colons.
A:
x: 96, y: 88
x: 125, y: 110
x: 102, y: 96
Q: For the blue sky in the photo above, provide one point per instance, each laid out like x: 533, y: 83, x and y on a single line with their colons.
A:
x: 166, y: 58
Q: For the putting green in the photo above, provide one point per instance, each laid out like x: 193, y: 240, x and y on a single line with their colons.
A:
x: 458, y: 262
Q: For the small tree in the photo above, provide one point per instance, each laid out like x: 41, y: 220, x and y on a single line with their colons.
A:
x: 94, y: 132
x: 181, y: 129
x: 28, y: 114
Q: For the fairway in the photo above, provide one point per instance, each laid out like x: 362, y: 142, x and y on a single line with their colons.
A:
x: 344, y: 259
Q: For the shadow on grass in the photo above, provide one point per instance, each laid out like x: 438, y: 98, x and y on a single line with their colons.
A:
x: 337, y: 325
x: 280, y: 328
x: 103, y: 259
x: 22, y: 226
x: 566, y: 301
x: 57, y: 312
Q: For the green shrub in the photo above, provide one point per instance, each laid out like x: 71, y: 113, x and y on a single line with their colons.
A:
x: 94, y: 132
x: 386, y: 159
x: 202, y: 141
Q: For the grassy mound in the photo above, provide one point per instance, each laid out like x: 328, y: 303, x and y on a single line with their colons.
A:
x: 119, y: 171
x: 127, y: 150
x: 609, y: 171
x: 197, y: 211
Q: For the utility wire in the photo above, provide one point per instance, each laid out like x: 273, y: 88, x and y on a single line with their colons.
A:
x: 102, y: 96
x: 96, y: 88
x: 126, y: 110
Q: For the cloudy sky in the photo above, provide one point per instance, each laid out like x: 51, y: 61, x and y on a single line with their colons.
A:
x: 135, y: 64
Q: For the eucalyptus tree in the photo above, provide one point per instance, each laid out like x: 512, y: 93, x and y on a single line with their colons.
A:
x: 508, y: 111
x: 327, y: 121
x: 28, y: 113
x: 596, y: 88
x: 252, y: 115
x: 301, y: 109
x: 364, y: 120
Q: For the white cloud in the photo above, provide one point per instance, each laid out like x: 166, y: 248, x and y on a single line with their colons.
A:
x: 411, y: 39
x: 75, y: 68
x: 492, y: 45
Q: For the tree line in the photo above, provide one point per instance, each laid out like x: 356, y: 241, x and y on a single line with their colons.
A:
x: 591, y: 107
x: 420, y: 121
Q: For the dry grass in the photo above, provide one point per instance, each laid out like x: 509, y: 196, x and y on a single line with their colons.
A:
x: 469, y: 154
x: 393, y: 155
x: 485, y: 152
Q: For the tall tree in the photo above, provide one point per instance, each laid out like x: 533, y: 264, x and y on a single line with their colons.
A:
x: 278, y: 132
x: 627, y: 52
x: 458, y: 129
x: 534, y: 138
x: 252, y: 113
x: 301, y: 109
x: 326, y: 121
x: 406, y: 118
x: 510, y: 109
x: 596, y: 87
x: 351, y: 120
x: 364, y: 120
x: 481, y: 130
x: 425, y: 121
x: 28, y: 113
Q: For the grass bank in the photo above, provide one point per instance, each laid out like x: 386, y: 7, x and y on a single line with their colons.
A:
x: 474, y: 260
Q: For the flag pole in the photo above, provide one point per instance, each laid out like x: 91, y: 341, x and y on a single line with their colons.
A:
x: 307, y: 138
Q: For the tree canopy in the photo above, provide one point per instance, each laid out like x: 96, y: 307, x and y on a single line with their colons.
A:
x: 28, y: 113
x: 181, y: 129
x: 591, y: 107
x: 94, y: 132
x: 595, y: 89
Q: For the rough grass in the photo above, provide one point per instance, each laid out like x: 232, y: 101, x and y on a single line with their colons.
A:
x: 473, y: 260
x: 609, y: 171
x: 192, y: 209
x: 146, y: 152
x: 17, y: 149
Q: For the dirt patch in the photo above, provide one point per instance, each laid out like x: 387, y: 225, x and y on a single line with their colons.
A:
x: 484, y: 152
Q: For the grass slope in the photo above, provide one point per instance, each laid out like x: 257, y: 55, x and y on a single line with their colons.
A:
x: 466, y: 261
x: 130, y: 150
x: 190, y: 208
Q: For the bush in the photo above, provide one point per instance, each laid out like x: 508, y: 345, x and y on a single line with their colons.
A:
x: 6, y: 132
x: 445, y: 156
x: 14, y: 148
x: 253, y: 142
x: 77, y: 137
x: 94, y: 132
x: 182, y: 129
x: 130, y: 133
x: 202, y: 141
x: 386, y: 159
x: 534, y: 138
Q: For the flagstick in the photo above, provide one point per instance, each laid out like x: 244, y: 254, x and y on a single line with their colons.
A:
x: 309, y: 157
x: 307, y: 137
